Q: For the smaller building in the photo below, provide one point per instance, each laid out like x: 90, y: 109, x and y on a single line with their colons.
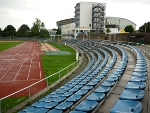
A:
x: 67, y: 30
x: 64, y: 22
x: 52, y: 32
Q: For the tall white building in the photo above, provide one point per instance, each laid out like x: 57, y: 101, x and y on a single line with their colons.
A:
x: 89, y: 16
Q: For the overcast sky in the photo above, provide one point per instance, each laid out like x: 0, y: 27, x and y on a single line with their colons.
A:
x: 18, y: 12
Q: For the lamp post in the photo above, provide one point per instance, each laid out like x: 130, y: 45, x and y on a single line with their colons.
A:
x: 119, y: 28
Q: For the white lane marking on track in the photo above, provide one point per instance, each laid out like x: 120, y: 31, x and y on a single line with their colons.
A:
x: 40, y: 69
x: 7, y: 71
x: 18, y: 71
x: 30, y: 64
x: 20, y: 80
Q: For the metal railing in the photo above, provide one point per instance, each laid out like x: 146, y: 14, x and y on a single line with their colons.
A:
x: 29, y: 87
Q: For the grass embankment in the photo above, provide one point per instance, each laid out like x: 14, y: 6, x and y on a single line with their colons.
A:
x: 6, y: 45
x: 54, y: 63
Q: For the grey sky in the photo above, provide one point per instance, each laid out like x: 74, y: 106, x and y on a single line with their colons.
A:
x: 18, y: 12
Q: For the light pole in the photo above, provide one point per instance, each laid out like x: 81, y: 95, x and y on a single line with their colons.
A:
x: 119, y: 28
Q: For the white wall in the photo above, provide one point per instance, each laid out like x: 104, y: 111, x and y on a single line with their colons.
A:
x: 113, y: 30
x: 68, y: 28
x: 85, y: 14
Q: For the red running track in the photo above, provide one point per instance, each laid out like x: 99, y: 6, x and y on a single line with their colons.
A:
x: 20, y: 66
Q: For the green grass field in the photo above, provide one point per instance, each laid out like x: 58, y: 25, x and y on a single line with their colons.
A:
x: 6, y: 45
x: 51, y: 64
x: 54, y: 63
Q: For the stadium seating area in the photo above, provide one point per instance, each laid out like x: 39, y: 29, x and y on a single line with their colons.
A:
x: 87, y: 91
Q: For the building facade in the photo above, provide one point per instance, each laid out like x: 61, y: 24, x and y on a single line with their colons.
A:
x: 91, y: 17
x: 119, y: 23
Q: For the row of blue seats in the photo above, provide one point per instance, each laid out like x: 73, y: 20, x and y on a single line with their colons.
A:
x: 129, y: 100
x: 62, y: 96
x: 95, y: 99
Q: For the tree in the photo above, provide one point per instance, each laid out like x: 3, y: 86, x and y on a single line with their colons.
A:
x: 58, y: 31
x: 44, y: 33
x: 108, y: 30
x: 129, y: 29
x: 38, y: 29
x: 145, y: 27
x: 9, y: 31
x: 23, y: 31
x: 0, y: 32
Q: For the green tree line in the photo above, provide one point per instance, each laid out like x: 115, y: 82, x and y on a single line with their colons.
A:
x: 37, y: 30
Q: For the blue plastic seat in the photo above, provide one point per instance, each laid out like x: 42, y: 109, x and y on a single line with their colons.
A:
x: 140, y: 70
x: 81, y: 92
x: 83, y: 82
x: 32, y: 110
x: 126, y: 106
x: 51, y: 105
x: 96, y: 97
x: 103, y: 89
x: 138, y: 78
x: 92, y: 83
x: 42, y: 110
x: 112, y: 79
x: 67, y: 94
x: 129, y: 94
x: 50, y: 99
x: 64, y: 106
x: 86, y: 106
x: 136, y: 85
x: 87, y: 87
x: 41, y: 104
x: 28, y: 108
x: 59, y: 99
x: 55, y: 111
x: 73, y: 98
x: 140, y: 73
x: 78, y: 86
x: 74, y: 90
x: 74, y: 111
x: 108, y: 83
